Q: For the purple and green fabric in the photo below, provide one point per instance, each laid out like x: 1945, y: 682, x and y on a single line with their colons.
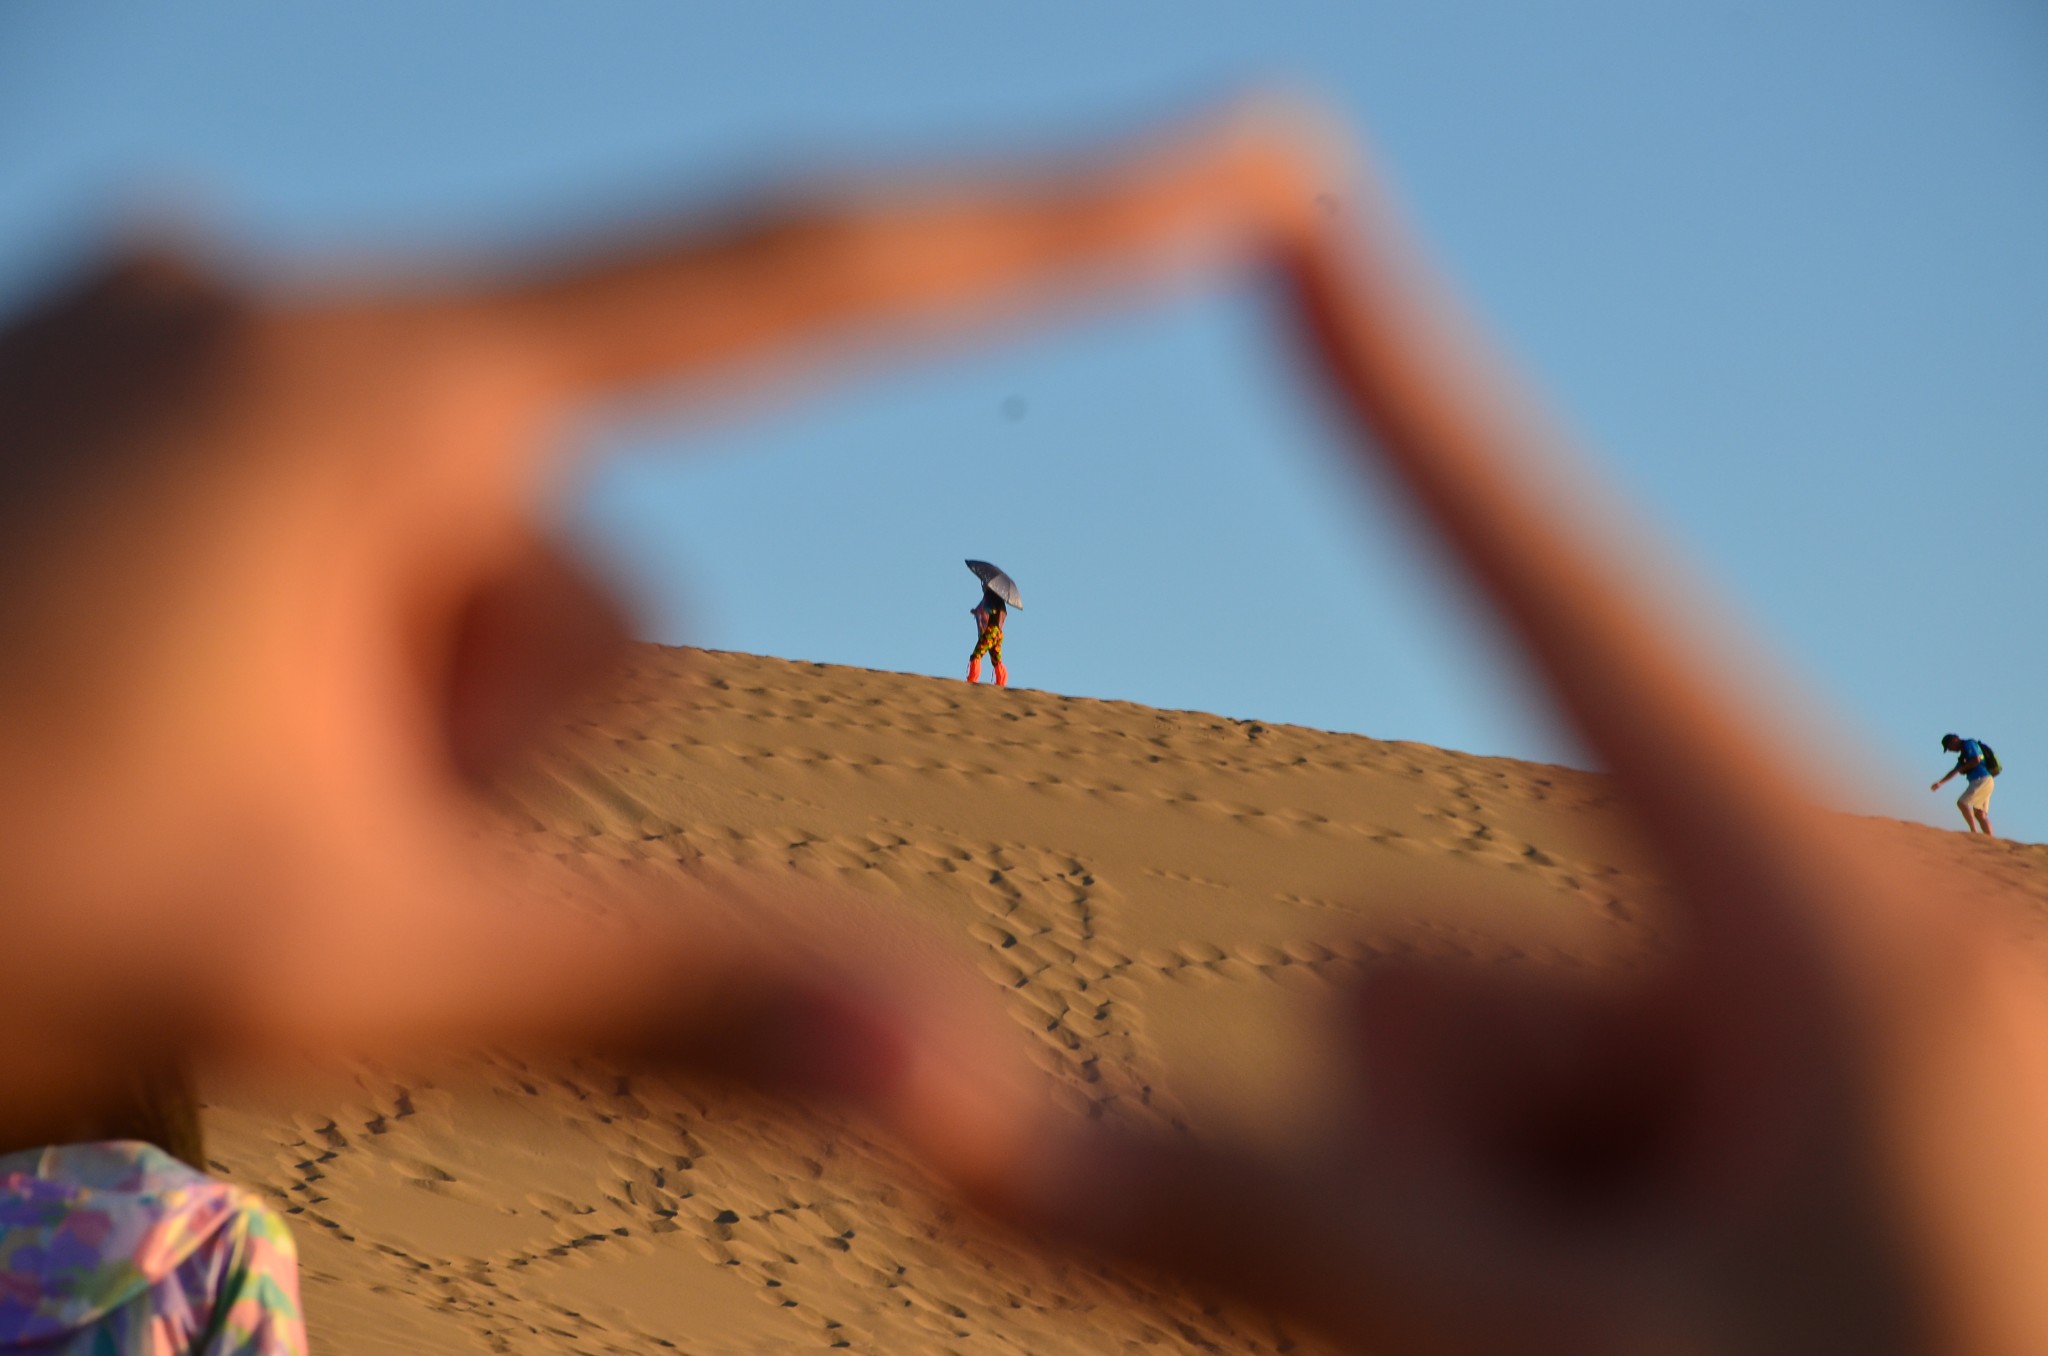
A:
x: 118, y: 1249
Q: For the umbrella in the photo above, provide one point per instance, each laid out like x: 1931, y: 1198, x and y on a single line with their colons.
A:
x: 996, y: 582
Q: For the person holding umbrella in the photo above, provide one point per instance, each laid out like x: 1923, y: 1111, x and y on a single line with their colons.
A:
x: 998, y: 595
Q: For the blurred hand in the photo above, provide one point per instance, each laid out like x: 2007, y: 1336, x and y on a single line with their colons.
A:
x: 278, y: 601
x: 1814, y: 1124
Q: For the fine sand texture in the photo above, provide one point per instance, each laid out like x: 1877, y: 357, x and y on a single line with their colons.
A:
x: 1162, y: 900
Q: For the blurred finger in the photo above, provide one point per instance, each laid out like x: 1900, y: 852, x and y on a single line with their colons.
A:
x: 907, y: 260
x: 1713, y: 794
x: 1373, y: 1257
x: 1566, y: 1096
x: 718, y: 977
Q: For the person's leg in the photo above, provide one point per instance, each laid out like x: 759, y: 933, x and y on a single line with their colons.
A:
x: 1973, y: 803
x: 974, y: 668
x: 1980, y: 804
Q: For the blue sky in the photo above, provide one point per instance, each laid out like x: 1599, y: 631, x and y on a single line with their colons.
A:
x: 1779, y: 265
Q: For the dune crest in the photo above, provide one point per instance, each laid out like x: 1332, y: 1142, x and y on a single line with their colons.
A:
x: 1160, y: 896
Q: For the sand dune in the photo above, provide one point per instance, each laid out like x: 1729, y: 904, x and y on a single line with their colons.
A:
x: 1160, y: 896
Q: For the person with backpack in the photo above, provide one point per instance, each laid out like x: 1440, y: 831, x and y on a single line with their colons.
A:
x: 1977, y: 763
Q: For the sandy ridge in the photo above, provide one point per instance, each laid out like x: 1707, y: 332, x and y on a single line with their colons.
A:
x: 1161, y: 897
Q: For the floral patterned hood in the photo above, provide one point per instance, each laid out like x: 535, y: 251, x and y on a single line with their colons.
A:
x: 120, y: 1248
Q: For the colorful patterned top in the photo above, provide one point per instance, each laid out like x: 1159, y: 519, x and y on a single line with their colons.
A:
x: 989, y: 639
x: 118, y: 1249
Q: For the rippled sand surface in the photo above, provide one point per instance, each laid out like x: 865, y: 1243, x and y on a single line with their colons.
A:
x: 1162, y: 898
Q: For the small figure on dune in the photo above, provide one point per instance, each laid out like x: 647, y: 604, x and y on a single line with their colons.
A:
x: 988, y: 639
x: 1979, y: 766
x: 998, y: 595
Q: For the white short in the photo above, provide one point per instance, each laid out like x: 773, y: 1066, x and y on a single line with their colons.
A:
x: 1977, y: 795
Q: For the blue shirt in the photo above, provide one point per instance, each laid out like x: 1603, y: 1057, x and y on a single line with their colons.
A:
x: 1972, y: 749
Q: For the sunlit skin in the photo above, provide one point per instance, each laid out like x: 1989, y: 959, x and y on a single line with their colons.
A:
x: 278, y: 603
